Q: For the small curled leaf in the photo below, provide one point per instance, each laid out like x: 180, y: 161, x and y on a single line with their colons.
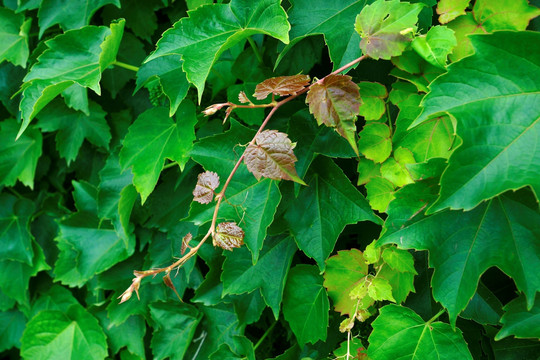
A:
x: 228, y: 236
x: 242, y: 97
x: 272, y: 157
x: 185, y: 243
x: 281, y: 86
x: 207, y: 182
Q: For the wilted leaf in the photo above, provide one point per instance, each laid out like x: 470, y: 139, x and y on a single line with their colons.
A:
x: 281, y: 86
x: 387, y: 27
x: 272, y: 157
x: 207, y: 182
x: 335, y: 102
x: 185, y: 243
x: 228, y: 235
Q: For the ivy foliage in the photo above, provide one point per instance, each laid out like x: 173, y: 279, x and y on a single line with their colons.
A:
x: 368, y: 172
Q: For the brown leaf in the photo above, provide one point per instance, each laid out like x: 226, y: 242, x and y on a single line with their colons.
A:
x: 272, y: 157
x: 228, y: 235
x: 335, y: 102
x: 185, y: 243
x: 281, y: 85
x: 242, y: 97
x: 167, y: 280
x: 207, y: 182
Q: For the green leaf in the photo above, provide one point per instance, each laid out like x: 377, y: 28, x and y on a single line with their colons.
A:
x: 411, y: 67
x: 88, y: 245
x: 73, y: 334
x: 305, y: 304
x: 450, y: 9
x: 462, y: 245
x: 269, y: 273
x: 14, y: 30
x: 498, y: 122
x: 484, y: 307
x: 333, y: 20
x: 401, y: 283
x: 436, y: 45
x: 386, y: 27
x: 176, y: 324
x: 399, y: 260
x: 55, y: 298
x: 379, y: 289
x: 520, y: 320
x: 380, y: 192
x: 76, y: 57
x: 431, y: 139
x: 489, y: 16
x: 372, y: 95
x: 154, y: 137
x: 395, y: 168
x: 14, y: 323
x: 367, y: 170
x: 335, y: 102
x: 74, y: 127
x: 15, y: 233
x: 375, y: 143
x: 323, y: 208
x: 129, y: 334
x: 210, y: 30
x: 221, y: 326
x: 343, y: 273
x: 18, y: 158
x: 398, y: 332
x: 173, y: 81
x: 75, y: 16
x: 15, y: 276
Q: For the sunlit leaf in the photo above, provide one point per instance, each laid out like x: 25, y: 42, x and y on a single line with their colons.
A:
x: 448, y: 10
x: 387, y: 27
x: 372, y: 95
x: 375, y: 142
x: 436, y: 45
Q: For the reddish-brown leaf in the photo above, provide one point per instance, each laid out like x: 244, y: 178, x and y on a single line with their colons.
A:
x: 335, y: 102
x: 272, y: 157
x: 207, y: 182
x: 281, y: 86
x: 242, y: 97
x: 185, y: 243
x: 228, y: 236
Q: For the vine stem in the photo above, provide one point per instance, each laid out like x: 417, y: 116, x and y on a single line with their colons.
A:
x: 126, y: 66
x: 264, y: 336
x: 139, y: 275
x: 435, y: 317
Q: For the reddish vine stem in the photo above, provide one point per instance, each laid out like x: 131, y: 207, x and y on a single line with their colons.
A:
x: 139, y: 275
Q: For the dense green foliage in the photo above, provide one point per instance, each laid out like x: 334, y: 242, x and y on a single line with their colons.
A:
x: 383, y: 207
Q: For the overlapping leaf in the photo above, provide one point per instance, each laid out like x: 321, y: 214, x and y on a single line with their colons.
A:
x: 76, y: 58
x: 343, y: 273
x: 154, y: 137
x: 305, y: 304
x: 18, y: 158
x: 75, y: 16
x: 281, y: 86
x: 210, y: 30
x: 57, y: 334
x: 331, y: 18
x: 74, y: 127
x: 268, y: 274
x: 372, y: 95
x: 463, y: 245
x: 436, y: 45
x: 520, y: 320
x: 387, y: 27
x: 450, y: 9
x: 14, y: 229
x: 498, y: 121
x: 14, y: 30
x: 272, y: 157
x: 375, y: 143
x: 398, y: 332
x: 335, y: 102
x: 321, y: 211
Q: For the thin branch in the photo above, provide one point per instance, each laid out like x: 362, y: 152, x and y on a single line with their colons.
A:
x: 264, y: 336
x: 126, y: 66
x: 255, y: 49
x: 139, y: 275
